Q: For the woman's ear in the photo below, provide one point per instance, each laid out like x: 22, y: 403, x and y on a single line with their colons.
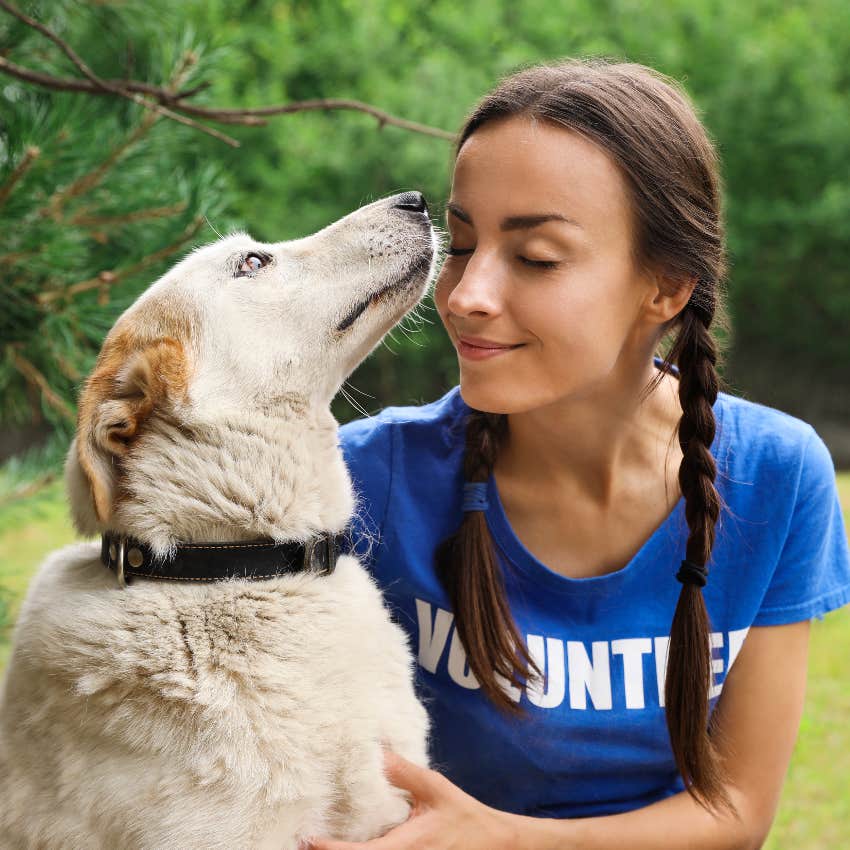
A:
x: 667, y: 297
x: 128, y: 385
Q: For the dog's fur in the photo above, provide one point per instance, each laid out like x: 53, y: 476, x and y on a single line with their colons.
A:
x: 238, y: 714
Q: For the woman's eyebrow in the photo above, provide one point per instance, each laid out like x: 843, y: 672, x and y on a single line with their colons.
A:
x: 514, y: 222
x: 457, y: 212
x: 526, y: 222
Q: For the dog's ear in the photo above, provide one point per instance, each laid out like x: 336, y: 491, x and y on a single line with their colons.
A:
x: 129, y: 383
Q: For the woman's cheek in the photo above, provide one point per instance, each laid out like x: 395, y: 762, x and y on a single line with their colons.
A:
x: 442, y: 289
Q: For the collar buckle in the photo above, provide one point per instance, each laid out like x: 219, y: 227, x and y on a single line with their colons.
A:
x: 113, y: 553
x: 119, y: 561
x: 320, y: 554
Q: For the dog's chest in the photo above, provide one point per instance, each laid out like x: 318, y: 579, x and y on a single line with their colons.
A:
x: 221, y: 681
x: 258, y: 708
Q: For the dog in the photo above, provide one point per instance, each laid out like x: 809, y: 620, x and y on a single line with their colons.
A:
x: 147, y: 707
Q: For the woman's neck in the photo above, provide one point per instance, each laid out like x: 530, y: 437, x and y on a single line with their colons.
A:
x: 594, y: 445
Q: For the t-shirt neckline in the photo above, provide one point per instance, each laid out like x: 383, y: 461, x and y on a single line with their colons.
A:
x: 522, y: 559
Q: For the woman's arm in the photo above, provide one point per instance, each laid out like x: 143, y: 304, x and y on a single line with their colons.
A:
x: 758, y: 715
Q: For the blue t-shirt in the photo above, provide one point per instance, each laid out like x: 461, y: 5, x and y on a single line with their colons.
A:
x: 593, y: 739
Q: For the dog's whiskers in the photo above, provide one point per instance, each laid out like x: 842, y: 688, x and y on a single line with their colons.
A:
x: 410, y: 334
x: 353, y: 402
x: 357, y: 390
x: 212, y: 228
x: 386, y: 345
x: 417, y: 317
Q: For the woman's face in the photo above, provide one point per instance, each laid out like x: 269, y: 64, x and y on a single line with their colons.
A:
x: 540, y: 265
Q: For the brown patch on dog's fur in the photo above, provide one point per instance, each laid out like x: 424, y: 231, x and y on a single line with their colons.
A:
x: 143, y: 366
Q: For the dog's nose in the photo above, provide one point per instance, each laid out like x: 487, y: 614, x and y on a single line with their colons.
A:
x: 413, y: 201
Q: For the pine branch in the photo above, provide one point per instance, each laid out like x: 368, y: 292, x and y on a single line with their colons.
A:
x: 68, y: 369
x: 36, y: 379
x: 106, y: 278
x: 239, y: 116
x: 181, y: 72
x: 83, y: 220
x: 132, y: 90
x: 89, y: 181
x: 86, y: 182
x: 31, y: 154
x: 83, y: 86
x: 63, y: 46
x: 107, y: 88
x: 14, y: 256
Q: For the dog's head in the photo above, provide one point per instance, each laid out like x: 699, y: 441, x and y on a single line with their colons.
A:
x: 239, y: 325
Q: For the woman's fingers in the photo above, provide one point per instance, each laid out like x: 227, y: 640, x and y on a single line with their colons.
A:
x: 400, y: 838
x: 419, y: 781
x: 422, y: 784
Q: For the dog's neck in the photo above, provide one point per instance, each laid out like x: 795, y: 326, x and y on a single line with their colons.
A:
x: 242, y: 477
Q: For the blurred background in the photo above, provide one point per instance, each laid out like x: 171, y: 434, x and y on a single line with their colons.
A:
x: 99, y: 196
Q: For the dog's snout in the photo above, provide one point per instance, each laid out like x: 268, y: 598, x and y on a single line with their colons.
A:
x: 413, y: 201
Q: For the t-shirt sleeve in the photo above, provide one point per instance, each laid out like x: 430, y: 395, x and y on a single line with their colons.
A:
x: 812, y: 575
x: 367, y: 450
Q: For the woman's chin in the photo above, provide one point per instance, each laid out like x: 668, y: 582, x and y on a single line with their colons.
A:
x: 489, y: 396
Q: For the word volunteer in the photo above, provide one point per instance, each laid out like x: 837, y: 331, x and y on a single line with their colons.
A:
x: 571, y: 672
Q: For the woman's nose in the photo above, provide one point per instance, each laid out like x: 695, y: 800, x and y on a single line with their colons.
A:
x: 477, y: 292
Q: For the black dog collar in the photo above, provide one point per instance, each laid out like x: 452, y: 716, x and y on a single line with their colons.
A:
x: 259, y: 559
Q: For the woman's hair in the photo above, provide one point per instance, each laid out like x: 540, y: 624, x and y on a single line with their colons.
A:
x: 648, y: 126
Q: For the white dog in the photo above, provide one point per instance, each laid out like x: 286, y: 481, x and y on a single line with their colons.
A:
x: 250, y: 712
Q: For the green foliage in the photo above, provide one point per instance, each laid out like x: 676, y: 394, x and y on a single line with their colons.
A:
x: 101, y: 207
x: 770, y: 80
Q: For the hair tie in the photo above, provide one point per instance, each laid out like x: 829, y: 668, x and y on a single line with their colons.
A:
x: 691, y: 573
x: 475, y: 497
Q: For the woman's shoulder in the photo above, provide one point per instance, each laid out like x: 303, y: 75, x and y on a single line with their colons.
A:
x: 754, y: 435
x: 783, y: 513
x: 408, y: 455
x: 440, y: 418
x: 416, y: 446
x: 775, y: 468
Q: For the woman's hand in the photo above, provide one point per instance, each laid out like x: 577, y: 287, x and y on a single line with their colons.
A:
x: 442, y: 817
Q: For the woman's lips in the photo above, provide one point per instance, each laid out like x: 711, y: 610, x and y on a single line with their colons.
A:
x: 473, y: 348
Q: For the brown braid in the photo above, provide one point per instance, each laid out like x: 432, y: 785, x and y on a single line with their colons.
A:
x: 470, y: 572
x: 689, y: 673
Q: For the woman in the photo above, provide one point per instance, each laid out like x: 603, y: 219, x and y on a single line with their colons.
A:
x: 573, y: 476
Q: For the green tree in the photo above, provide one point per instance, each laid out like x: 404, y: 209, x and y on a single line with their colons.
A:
x: 93, y: 204
x: 769, y: 78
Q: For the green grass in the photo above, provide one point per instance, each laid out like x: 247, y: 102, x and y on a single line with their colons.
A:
x: 28, y: 531
x: 814, y: 812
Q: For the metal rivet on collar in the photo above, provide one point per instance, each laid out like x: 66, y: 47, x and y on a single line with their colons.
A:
x: 309, y: 554
x: 119, y: 566
x: 135, y: 557
x: 113, y: 552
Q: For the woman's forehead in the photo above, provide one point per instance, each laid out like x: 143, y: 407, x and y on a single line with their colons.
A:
x: 524, y: 167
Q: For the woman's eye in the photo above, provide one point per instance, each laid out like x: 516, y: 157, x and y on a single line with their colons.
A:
x: 538, y: 264
x: 453, y: 251
x: 253, y: 263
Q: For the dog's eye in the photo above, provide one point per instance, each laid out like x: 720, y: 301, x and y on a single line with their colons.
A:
x: 253, y: 263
